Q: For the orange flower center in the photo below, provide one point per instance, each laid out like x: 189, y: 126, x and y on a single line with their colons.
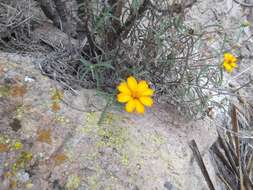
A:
x: 229, y: 61
x: 135, y: 94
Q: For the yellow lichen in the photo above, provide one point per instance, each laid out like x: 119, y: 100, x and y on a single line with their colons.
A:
x: 17, y: 145
x: 92, y: 181
x: 29, y: 186
x: 62, y: 119
x: 57, y: 95
x: 125, y: 160
x: 90, y: 125
x: 4, y: 90
x: 73, y: 182
x: 112, y: 136
x: 158, y: 139
x: 22, y: 161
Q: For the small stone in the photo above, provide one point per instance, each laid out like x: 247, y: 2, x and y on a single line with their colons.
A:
x: 138, y: 166
x: 41, y: 155
x: 5, y: 69
x: 29, y: 79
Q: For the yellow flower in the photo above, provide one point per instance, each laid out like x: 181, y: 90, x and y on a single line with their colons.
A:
x: 229, y: 62
x: 135, y: 94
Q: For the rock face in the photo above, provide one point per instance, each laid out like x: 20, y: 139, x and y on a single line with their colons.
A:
x: 63, y: 146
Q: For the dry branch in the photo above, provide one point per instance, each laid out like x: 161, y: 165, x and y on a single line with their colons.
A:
x: 65, y: 12
x: 201, y: 164
x: 61, y: 14
x: 116, y: 6
x: 233, y: 154
x: 243, y: 3
x: 49, y: 10
x: 127, y: 26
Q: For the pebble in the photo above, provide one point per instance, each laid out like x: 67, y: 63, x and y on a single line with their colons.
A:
x: 29, y: 79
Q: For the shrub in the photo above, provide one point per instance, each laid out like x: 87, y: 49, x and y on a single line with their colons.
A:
x: 112, y: 40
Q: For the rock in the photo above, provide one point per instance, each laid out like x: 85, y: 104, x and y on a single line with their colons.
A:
x: 29, y: 79
x: 125, y: 151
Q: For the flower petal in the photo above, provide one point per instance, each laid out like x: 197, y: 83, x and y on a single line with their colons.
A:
x: 228, y: 57
x: 139, y: 107
x: 122, y: 97
x: 233, y: 64
x: 234, y: 59
x: 132, y: 83
x: 227, y: 67
x: 147, y: 101
x: 147, y: 92
x: 142, y: 85
x: 130, y: 106
x: 124, y: 88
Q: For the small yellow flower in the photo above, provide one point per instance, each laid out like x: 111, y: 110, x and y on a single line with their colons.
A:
x: 229, y: 62
x: 135, y: 94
